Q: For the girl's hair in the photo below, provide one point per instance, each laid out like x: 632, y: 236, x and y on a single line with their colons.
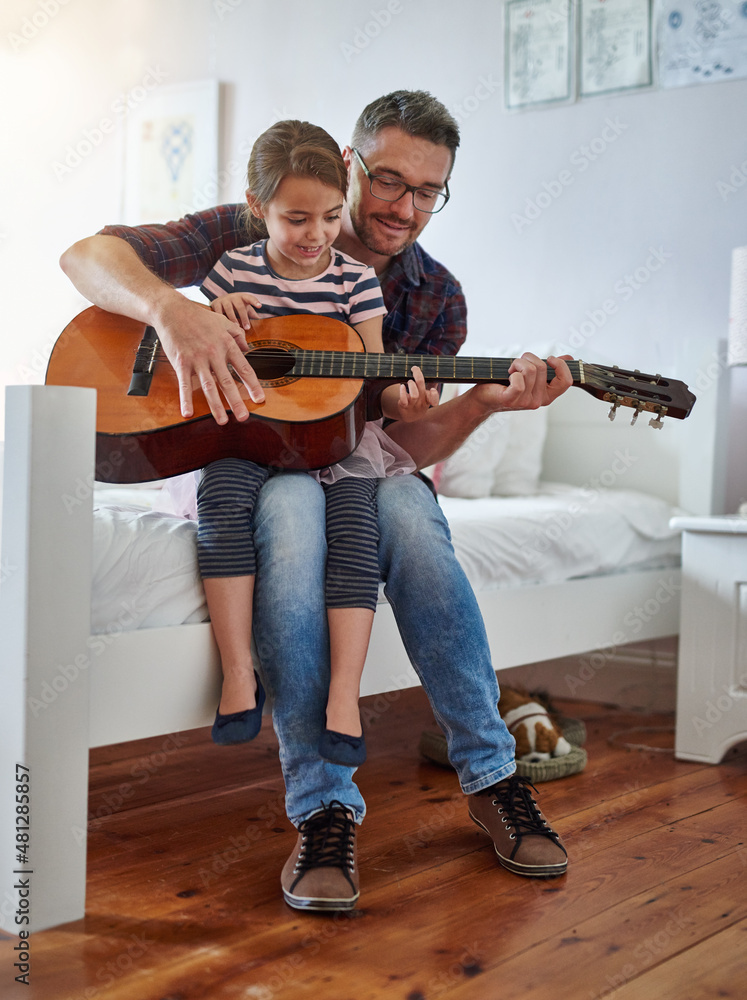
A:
x: 415, y: 112
x: 292, y: 148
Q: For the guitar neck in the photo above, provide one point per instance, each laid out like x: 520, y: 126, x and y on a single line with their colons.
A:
x: 620, y: 387
x: 397, y: 367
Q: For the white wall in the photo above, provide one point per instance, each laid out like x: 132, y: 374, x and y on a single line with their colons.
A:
x: 654, y: 187
x: 62, y: 74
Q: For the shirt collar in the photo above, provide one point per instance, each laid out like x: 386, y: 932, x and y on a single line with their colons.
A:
x: 407, y: 265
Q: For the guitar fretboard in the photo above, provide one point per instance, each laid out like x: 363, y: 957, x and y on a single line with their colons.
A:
x: 397, y: 367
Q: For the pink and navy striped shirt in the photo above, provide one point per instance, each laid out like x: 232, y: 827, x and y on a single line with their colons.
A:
x: 347, y: 290
x: 427, y: 311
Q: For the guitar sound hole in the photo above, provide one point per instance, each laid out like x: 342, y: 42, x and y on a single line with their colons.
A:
x: 272, y: 362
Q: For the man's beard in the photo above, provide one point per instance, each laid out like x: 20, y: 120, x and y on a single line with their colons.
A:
x: 376, y: 242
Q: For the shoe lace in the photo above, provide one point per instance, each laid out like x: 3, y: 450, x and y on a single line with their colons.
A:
x: 328, y: 839
x: 521, y: 813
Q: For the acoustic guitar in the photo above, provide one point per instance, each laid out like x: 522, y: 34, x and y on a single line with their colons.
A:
x: 316, y: 376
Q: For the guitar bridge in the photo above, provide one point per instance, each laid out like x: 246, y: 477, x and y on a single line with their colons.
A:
x: 145, y: 360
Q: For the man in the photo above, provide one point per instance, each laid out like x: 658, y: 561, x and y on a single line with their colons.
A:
x: 399, y: 164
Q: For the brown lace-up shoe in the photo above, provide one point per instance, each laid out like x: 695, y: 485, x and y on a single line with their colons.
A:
x: 321, y: 873
x: 523, y: 840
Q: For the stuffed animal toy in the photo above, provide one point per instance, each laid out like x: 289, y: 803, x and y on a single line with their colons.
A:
x: 527, y: 719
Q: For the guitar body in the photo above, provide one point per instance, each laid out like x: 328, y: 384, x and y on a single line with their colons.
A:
x: 314, y: 371
x: 303, y: 423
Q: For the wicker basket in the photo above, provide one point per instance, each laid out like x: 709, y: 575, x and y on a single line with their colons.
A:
x: 433, y: 746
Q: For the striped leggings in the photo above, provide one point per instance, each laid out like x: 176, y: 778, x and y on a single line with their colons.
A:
x: 226, y: 499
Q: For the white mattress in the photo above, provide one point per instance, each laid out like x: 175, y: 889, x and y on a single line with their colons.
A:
x: 145, y: 566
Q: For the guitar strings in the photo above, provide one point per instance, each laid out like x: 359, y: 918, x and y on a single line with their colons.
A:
x: 453, y: 367
x: 618, y: 386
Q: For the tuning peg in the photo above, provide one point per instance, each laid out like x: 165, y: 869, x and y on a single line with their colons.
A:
x: 614, y: 408
x: 657, y: 420
x: 635, y: 415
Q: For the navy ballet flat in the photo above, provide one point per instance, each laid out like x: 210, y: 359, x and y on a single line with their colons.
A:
x: 240, y: 727
x: 340, y: 748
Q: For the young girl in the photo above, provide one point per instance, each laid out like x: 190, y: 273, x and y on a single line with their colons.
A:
x: 296, y: 184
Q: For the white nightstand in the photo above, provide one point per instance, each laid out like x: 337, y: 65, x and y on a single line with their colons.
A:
x: 712, y: 671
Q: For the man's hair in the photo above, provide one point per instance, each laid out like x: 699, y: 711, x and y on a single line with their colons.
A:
x: 415, y: 112
x: 291, y: 148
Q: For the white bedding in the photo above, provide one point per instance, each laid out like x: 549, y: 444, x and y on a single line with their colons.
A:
x: 145, y: 567
x: 559, y: 533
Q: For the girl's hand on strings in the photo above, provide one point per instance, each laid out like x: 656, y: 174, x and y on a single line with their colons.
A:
x: 239, y: 307
x: 416, y: 398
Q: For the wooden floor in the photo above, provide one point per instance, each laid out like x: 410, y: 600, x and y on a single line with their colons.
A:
x: 187, y: 841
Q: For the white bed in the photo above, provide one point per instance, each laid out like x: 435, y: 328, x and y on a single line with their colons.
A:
x: 82, y: 673
x: 145, y: 568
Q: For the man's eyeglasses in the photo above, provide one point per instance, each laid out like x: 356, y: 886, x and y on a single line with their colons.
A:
x: 388, y: 188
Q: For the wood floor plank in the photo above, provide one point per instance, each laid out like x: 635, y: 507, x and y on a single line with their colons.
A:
x: 424, y: 936
x: 701, y: 973
x: 620, y: 943
x: 180, y: 907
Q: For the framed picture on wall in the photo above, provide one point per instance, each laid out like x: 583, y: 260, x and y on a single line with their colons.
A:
x: 615, y: 46
x: 538, y: 53
x: 171, y: 151
x: 701, y: 41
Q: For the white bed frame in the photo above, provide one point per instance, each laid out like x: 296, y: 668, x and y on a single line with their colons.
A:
x: 65, y: 690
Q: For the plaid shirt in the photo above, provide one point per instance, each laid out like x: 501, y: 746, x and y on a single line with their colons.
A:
x: 426, y: 310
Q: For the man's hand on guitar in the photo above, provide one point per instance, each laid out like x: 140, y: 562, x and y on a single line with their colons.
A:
x: 201, y: 343
x: 528, y: 388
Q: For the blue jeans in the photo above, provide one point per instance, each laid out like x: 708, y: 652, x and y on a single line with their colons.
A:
x: 436, y: 612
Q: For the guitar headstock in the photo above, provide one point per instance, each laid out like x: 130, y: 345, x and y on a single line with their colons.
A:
x: 655, y: 394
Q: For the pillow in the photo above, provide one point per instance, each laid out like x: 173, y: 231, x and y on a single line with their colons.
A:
x: 503, y: 457
x: 469, y: 471
x: 518, y: 472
